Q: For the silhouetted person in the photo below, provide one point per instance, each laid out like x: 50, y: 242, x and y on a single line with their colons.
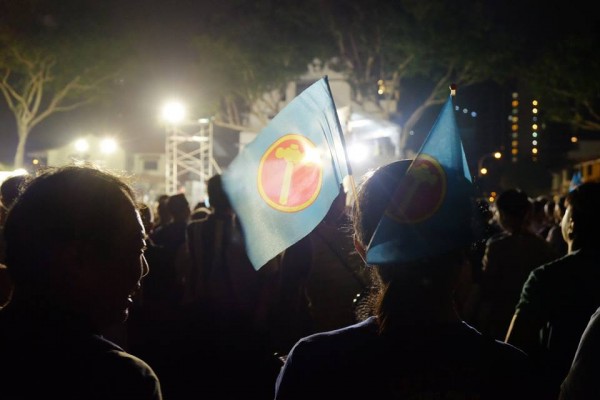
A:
x: 554, y: 236
x: 153, y: 302
x: 558, y: 298
x: 337, y: 274
x: 163, y: 216
x: 415, y: 345
x: 200, y: 211
x: 539, y: 222
x: 211, y: 348
x: 171, y: 265
x: 9, y: 191
x: 319, y: 278
x: 581, y: 382
x: 509, y: 258
x: 221, y: 271
x: 75, y: 247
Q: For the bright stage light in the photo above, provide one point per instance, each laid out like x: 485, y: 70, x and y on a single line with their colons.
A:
x: 173, y: 112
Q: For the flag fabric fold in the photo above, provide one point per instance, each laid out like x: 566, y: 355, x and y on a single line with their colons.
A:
x: 282, y: 184
x: 432, y: 209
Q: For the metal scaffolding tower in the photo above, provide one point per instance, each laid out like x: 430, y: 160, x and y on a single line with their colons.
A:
x: 189, y: 155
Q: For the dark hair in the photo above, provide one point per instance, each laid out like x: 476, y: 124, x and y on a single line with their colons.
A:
x: 178, y: 205
x: 217, y: 197
x: 374, y: 194
x: 396, y: 285
x: 514, y: 202
x: 585, y: 212
x: 71, y: 203
x: 9, y: 190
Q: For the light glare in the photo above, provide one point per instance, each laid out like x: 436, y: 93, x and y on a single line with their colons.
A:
x: 82, y: 145
x: 108, y: 146
x: 358, y: 152
x: 173, y: 112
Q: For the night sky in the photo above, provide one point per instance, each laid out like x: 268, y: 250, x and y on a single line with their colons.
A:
x: 163, y: 29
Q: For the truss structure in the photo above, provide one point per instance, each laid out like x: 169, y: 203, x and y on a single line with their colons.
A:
x: 189, y: 155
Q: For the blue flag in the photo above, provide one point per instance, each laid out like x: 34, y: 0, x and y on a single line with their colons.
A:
x: 283, y: 183
x: 575, y: 180
x: 431, y: 210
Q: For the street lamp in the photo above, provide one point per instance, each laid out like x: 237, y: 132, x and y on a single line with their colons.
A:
x: 481, y: 170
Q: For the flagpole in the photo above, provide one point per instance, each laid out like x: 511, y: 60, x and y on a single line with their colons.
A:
x: 343, y: 140
x: 453, y: 89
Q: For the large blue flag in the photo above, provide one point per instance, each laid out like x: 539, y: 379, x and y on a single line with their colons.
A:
x: 283, y: 183
x: 431, y: 210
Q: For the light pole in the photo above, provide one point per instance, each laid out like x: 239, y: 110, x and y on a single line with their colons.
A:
x: 481, y: 170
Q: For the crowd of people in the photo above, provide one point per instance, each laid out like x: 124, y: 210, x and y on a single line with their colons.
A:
x: 104, y: 297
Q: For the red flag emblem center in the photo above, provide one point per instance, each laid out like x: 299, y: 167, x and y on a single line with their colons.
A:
x: 420, y: 193
x: 290, y: 173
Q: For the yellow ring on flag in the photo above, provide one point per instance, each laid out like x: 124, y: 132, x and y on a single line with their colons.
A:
x: 305, y: 144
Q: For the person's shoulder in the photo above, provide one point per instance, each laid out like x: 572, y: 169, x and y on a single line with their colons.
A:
x: 198, y: 226
x: 131, y: 364
x: 342, y: 337
x: 497, y: 237
x: 497, y: 351
x: 127, y: 373
x: 104, y: 354
x: 534, y: 239
x: 557, y: 266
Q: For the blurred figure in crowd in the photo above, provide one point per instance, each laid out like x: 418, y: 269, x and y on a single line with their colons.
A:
x: 559, y: 297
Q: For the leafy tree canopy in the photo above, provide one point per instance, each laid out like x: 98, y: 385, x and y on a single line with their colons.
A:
x: 54, y: 57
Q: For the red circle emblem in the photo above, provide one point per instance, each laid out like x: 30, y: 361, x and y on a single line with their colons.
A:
x: 290, y: 174
x: 420, y: 193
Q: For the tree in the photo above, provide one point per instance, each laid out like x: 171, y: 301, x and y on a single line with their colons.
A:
x: 250, y: 50
x: 381, y: 46
x: 52, y: 59
x: 565, y: 77
x: 385, y: 47
x: 555, y: 58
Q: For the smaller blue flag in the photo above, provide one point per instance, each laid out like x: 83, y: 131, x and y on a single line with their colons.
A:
x: 283, y: 183
x: 431, y: 210
x: 575, y: 180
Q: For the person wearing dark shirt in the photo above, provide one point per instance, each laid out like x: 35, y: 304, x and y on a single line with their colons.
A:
x: 414, y: 345
x: 582, y: 381
x: 508, y: 259
x: 558, y: 298
x: 75, y: 247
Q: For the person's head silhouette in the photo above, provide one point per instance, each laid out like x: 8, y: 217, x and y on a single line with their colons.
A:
x: 75, y: 244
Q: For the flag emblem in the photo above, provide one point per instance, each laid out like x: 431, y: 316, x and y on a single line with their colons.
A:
x: 432, y: 211
x: 421, y: 192
x: 290, y: 173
